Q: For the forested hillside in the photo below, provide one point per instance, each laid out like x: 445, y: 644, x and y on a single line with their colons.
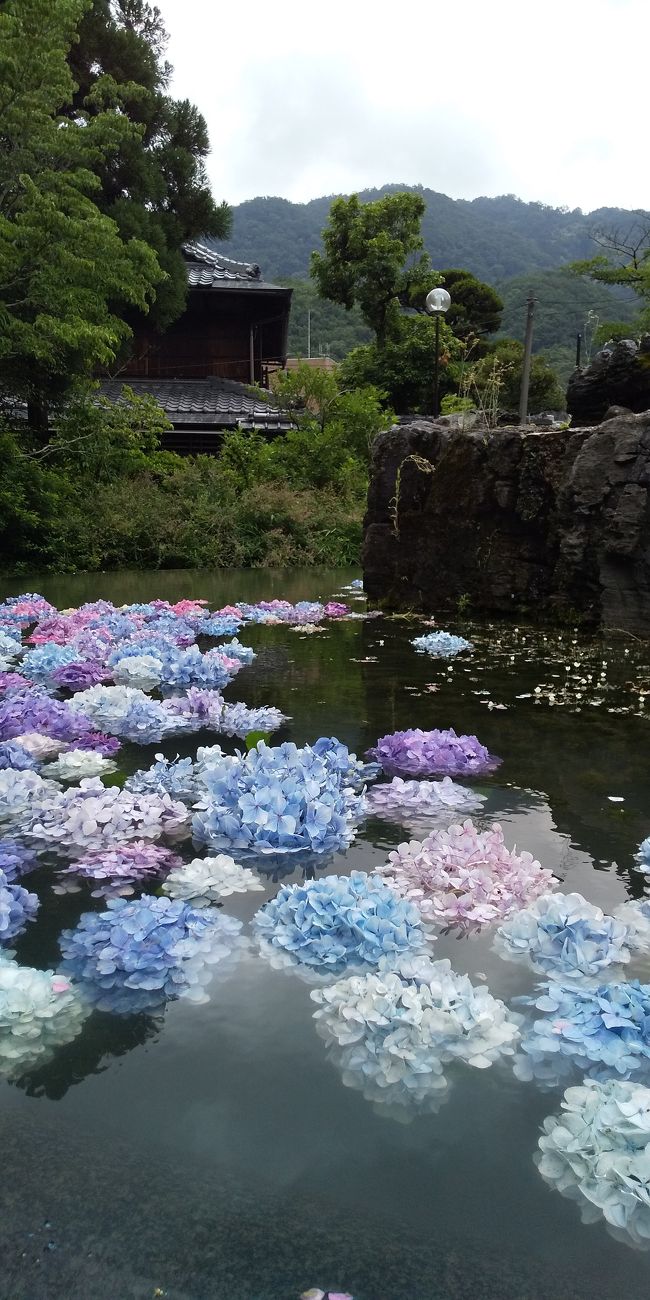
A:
x: 495, y: 239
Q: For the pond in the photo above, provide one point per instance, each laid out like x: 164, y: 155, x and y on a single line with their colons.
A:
x: 213, y: 1151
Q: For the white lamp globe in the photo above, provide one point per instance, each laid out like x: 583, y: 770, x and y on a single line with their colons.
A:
x: 438, y: 302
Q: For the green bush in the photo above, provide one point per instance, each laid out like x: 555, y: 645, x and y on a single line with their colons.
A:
x: 101, y: 495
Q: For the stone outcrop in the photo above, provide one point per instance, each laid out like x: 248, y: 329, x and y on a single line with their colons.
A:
x: 619, y: 375
x: 513, y: 521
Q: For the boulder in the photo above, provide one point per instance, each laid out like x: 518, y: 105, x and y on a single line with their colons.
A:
x: 619, y: 375
x: 552, y: 523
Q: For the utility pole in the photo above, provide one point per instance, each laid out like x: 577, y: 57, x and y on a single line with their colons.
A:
x: 308, y: 332
x: 528, y: 352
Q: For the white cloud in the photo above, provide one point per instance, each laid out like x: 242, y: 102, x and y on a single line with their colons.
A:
x: 467, y: 98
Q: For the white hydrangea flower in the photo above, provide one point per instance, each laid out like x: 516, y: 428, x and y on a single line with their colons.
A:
x: 138, y: 668
x: 41, y: 747
x: 39, y: 1011
x: 92, y: 815
x: 395, y: 1029
x: 78, y: 763
x: 597, y: 1152
x: 22, y: 793
x: 207, y: 880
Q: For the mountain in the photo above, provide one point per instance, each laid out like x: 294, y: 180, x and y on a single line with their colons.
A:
x: 496, y: 238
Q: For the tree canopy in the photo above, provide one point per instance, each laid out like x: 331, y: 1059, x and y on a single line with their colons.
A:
x: 66, y: 271
x: 153, y: 182
x: 373, y: 259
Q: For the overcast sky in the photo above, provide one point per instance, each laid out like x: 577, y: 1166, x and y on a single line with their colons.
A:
x: 546, y: 100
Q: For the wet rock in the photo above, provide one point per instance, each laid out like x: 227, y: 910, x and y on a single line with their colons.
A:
x: 547, y: 523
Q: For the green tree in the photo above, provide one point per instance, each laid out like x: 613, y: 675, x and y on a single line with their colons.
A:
x: 65, y: 270
x: 625, y: 261
x: 475, y: 307
x: 372, y: 259
x: 403, y: 367
x: 154, y: 183
x: 503, y: 367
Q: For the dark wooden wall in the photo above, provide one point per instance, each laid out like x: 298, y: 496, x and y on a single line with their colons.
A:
x: 213, y: 337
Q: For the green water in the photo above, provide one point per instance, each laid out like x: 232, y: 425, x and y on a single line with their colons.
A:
x: 212, y: 1152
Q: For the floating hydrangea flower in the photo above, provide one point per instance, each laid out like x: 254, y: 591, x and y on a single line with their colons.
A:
x: 137, y: 954
x: 565, y: 936
x: 39, y: 1011
x: 244, y: 654
x: 17, y: 907
x: 408, y: 801
x: 129, y: 713
x: 33, y: 711
x: 12, y: 682
x: 176, y: 778
x: 77, y: 763
x: 398, y: 1027
x: 441, y: 645
x: 635, y: 916
x: 218, y: 625
x: 80, y: 676
x: 353, y: 771
x: 283, y: 799
x: 340, y: 921
x: 10, y: 647
x: 207, y: 880
x: 239, y: 720
x: 92, y: 815
x: 14, y: 755
x: 117, y: 871
x: 39, y: 746
x: 423, y: 753
x: 597, y: 1152
x: 607, y: 1028
x: 41, y: 663
x: 23, y: 793
x: 463, y: 876
x: 198, y: 709
x: 16, y: 858
x: 137, y: 669
x: 643, y: 855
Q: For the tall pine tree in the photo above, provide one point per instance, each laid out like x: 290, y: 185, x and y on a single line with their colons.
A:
x: 154, y: 185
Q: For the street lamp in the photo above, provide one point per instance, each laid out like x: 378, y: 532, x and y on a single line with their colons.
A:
x: 438, y: 303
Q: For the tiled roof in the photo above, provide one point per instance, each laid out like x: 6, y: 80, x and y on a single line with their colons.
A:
x: 207, y: 268
x: 219, y: 403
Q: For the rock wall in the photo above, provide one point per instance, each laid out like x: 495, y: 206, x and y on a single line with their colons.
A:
x: 513, y: 521
x: 619, y: 375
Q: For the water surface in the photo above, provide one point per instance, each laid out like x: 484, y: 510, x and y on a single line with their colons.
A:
x: 212, y: 1152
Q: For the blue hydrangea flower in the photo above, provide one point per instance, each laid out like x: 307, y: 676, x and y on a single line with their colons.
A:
x: 137, y: 954
x: 283, y: 799
x: 602, y: 1030
x: 17, y: 907
x: 441, y: 645
x: 216, y: 625
x: 176, y: 778
x: 39, y: 664
x: 643, y: 855
x: 238, y: 719
x: 340, y: 921
x: 13, y: 755
x: 564, y: 936
x: 16, y: 859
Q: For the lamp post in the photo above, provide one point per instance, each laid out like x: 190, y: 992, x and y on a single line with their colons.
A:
x: 437, y: 304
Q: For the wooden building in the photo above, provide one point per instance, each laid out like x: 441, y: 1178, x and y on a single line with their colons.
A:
x: 232, y: 334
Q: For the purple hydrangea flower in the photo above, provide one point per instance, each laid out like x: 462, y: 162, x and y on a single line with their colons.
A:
x: 423, y: 753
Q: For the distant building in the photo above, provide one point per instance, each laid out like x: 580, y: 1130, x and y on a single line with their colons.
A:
x: 232, y: 334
